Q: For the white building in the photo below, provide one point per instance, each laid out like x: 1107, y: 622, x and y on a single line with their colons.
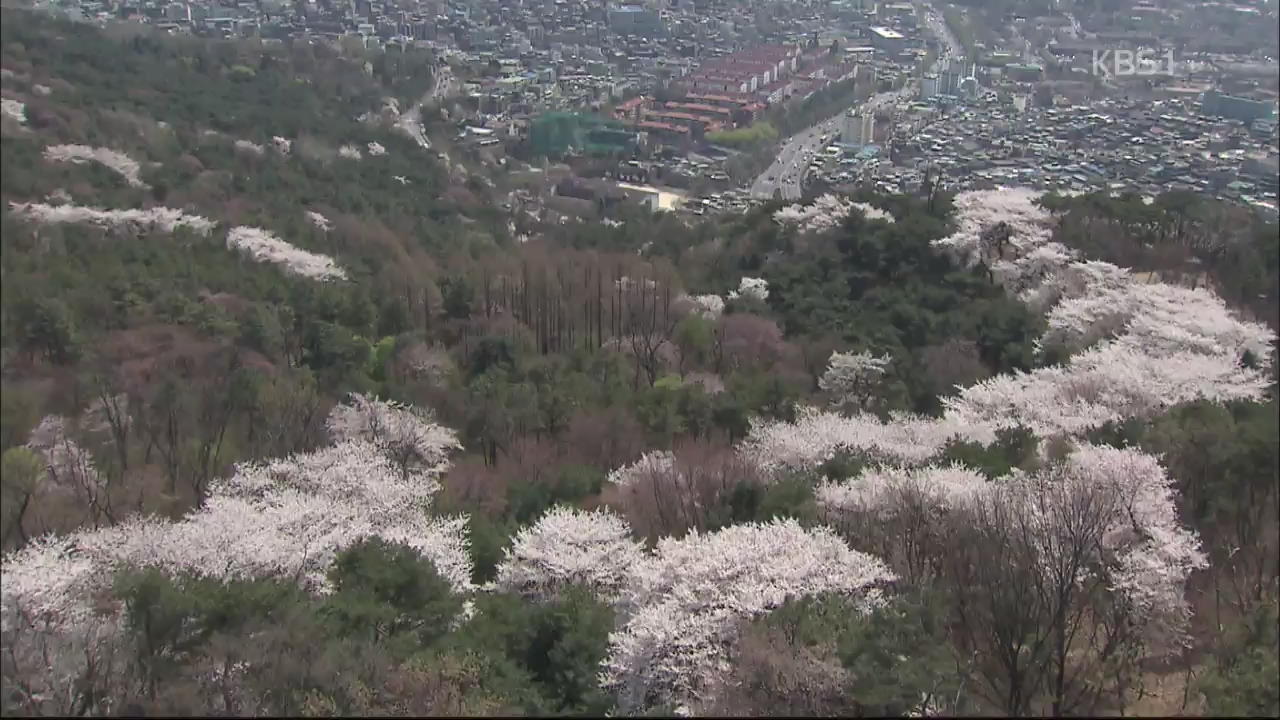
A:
x: 858, y: 128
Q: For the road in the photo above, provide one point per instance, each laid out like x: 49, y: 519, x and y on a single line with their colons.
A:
x: 787, y: 173
x: 411, y: 121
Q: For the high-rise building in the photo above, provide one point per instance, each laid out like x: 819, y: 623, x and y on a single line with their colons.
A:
x: 859, y: 128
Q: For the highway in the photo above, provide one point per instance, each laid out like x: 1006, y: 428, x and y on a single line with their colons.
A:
x: 788, y: 171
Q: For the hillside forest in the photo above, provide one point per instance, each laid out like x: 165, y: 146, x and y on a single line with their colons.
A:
x: 296, y: 420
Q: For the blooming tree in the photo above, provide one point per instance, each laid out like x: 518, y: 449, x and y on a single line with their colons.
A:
x: 284, y: 517
x: 876, y: 489
x: 159, y: 218
x: 754, y: 288
x: 871, y: 212
x: 817, y: 436
x: 376, y: 149
x: 1144, y: 551
x: 658, y: 461
x: 320, y: 221
x: 70, y: 468
x: 684, y: 604
x: 1113, y: 381
x: 14, y: 110
x: 707, y: 306
x: 1163, y: 319
x: 249, y: 146
x: 350, y: 152
x: 570, y: 547
x: 264, y: 246
x: 851, y: 378
x: 119, y: 163
x: 1153, y: 553
x: 825, y: 212
x: 405, y: 434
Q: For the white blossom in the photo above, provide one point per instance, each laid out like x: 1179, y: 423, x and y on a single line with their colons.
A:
x: 826, y: 212
x: 1146, y: 554
x: 376, y: 149
x: 70, y: 466
x: 249, y: 146
x: 160, y: 218
x: 754, y: 288
x: 1112, y: 381
x: 1163, y: 319
x: 817, y: 436
x: 263, y: 246
x: 710, y: 307
x: 852, y: 377
x: 979, y: 210
x: 649, y: 464
x: 407, y: 434
x: 876, y: 489
x: 350, y: 152
x: 119, y: 163
x: 14, y: 109
x: 284, y: 517
x: 570, y: 547
x: 871, y: 212
x: 320, y: 221
x: 682, y: 606
x: 1155, y: 559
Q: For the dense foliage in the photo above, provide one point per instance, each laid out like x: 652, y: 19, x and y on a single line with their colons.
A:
x: 291, y: 425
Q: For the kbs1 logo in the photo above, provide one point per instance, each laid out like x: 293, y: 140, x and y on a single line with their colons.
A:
x: 1128, y: 63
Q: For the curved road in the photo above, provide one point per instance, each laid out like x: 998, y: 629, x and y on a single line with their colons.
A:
x: 787, y: 173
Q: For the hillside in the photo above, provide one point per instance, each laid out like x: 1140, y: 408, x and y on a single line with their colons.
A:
x: 295, y: 423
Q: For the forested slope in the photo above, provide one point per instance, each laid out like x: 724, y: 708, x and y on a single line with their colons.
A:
x: 293, y: 425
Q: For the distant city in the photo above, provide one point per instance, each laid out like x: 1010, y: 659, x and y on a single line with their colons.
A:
x: 679, y: 97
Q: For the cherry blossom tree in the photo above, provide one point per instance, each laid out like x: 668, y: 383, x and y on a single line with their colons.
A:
x: 1086, y: 556
x: 826, y: 212
x: 119, y: 163
x: 284, y: 517
x: 707, y: 306
x: 1163, y: 319
x: 71, y: 469
x: 320, y: 221
x: 249, y: 146
x: 13, y: 109
x: 406, y: 434
x: 683, y: 605
x: 1112, y: 381
x: 657, y: 461
x: 817, y: 436
x: 753, y: 288
x: 570, y: 547
x: 263, y: 246
x: 851, y: 378
x: 159, y: 218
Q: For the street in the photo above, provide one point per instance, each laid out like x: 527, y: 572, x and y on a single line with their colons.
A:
x: 788, y: 171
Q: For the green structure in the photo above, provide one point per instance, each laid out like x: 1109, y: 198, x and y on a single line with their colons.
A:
x: 557, y: 133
